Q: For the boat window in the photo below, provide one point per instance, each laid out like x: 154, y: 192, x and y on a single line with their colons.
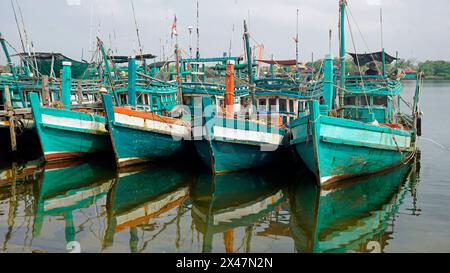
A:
x: 364, y: 100
x: 221, y: 103
x: 187, y: 100
x: 380, y: 100
x: 350, y: 100
x: 272, y: 104
x: 244, y: 102
x: 262, y: 105
x: 55, y: 96
x: 291, y: 106
x: 123, y: 98
x: 301, y: 106
x: 283, y: 105
x: 140, y: 99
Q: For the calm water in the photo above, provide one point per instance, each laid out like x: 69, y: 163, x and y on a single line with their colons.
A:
x: 178, y: 209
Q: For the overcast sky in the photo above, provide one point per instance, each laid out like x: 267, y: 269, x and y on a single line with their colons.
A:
x: 415, y: 28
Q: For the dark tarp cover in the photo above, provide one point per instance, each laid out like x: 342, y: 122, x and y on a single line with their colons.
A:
x: 366, y: 58
x: 44, y: 64
x: 124, y: 59
x: 279, y: 62
x: 159, y: 64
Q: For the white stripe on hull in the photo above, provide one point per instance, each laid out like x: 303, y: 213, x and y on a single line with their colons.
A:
x: 366, y: 136
x: 325, y: 179
x: 74, y: 123
x: 147, y: 124
x: 246, y: 135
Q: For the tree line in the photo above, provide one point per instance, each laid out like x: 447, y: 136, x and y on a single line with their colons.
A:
x: 439, y: 70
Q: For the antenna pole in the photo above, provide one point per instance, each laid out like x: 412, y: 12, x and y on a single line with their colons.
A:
x: 297, y: 72
x: 382, y: 45
x: 381, y: 25
x: 342, y: 5
x: 329, y: 41
x: 198, y: 31
x: 137, y: 28
x: 23, y: 26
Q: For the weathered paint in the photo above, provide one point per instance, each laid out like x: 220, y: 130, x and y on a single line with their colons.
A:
x: 66, y: 84
x: 335, y: 148
x: 138, y: 136
x: 66, y: 134
x: 232, y: 144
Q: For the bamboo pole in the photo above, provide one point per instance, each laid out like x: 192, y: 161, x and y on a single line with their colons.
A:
x: 10, y: 111
x: 45, y: 90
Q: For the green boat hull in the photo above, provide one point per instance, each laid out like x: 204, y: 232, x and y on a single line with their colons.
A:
x: 336, y: 148
x: 66, y: 134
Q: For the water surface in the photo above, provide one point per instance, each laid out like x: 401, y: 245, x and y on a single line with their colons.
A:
x: 178, y: 208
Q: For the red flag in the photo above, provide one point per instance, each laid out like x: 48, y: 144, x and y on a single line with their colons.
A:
x: 174, y: 26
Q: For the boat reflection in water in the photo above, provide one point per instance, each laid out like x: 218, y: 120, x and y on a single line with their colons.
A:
x: 140, y: 195
x: 357, y: 217
x: 13, y: 173
x: 68, y: 186
x: 223, y: 203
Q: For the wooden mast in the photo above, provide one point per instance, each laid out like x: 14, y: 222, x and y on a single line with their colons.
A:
x: 229, y: 91
x: 342, y: 5
x: 251, y: 78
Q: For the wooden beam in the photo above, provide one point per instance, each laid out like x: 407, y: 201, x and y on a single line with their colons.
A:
x: 10, y: 111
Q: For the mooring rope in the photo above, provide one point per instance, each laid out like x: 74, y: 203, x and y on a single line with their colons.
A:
x: 435, y: 142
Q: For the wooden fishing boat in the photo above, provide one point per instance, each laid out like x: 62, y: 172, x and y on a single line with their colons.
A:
x: 142, y: 130
x: 354, y: 217
x: 65, y: 133
x: 232, y: 140
x: 232, y: 144
x: 17, y: 124
x: 367, y: 133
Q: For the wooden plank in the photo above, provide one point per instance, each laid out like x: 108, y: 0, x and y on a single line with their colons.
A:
x: 12, y: 129
x: 45, y: 90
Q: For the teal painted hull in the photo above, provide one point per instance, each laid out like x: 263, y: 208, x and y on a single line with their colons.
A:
x: 354, y: 217
x: 135, y: 146
x: 223, y: 157
x: 139, y: 136
x: 60, y: 144
x: 335, y: 149
x: 232, y: 145
x: 66, y: 134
